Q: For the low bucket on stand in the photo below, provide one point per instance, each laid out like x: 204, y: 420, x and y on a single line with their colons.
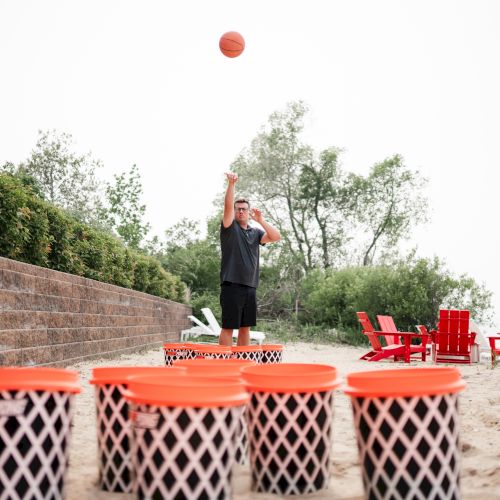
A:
x: 113, y: 426
x: 226, y: 368
x: 406, y: 424
x: 290, y: 416
x: 272, y: 353
x: 36, y: 409
x: 249, y: 352
x: 184, y: 435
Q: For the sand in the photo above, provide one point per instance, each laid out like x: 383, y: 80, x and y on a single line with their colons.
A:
x: 479, y: 414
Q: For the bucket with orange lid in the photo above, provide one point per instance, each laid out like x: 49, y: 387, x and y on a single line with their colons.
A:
x: 36, y: 409
x: 407, y: 429
x: 227, y: 368
x: 184, y: 430
x: 173, y: 351
x: 249, y: 352
x: 212, y: 351
x: 290, y: 415
x: 272, y: 353
x: 113, y: 426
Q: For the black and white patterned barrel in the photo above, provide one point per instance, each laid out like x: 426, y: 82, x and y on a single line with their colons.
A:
x: 113, y: 427
x: 407, y: 429
x: 272, y: 353
x: 212, y: 351
x: 290, y: 415
x: 36, y: 410
x: 184, y: 435
x: 247, y: 352
x: 173, y: 352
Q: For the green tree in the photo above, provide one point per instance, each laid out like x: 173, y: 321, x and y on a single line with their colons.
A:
x: 389, y: 203
x: 124, y: 211
x: 64, y: 177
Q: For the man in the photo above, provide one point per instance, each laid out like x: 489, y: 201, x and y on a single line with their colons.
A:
x: 239, y: 274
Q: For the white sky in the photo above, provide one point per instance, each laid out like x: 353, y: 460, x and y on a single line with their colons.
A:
x: 144, y: 82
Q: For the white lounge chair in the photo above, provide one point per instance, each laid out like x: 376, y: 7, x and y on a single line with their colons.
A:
x: 259, y: 337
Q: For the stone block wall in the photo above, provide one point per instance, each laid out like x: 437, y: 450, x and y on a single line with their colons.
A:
x: 53, y: 318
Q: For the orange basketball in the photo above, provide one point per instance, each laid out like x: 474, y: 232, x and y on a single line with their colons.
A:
x: 231, y: 44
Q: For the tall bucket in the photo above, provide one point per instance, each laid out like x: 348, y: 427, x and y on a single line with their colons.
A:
x: 113, y: 426
x: 184, y: 435
x: 406, y: 424
x: 36, y: 410
x: 290, y: 416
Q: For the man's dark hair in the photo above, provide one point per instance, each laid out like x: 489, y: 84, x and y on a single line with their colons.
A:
x: 242, y: 200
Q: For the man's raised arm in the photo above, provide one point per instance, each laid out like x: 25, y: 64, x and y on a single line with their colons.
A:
x: 228, y: 217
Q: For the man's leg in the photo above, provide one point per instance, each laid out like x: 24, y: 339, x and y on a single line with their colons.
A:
x: 244, y: 335
x: 226, y: 336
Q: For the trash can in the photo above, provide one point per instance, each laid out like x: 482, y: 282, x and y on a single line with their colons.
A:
x: 113, y: 426
x: 272, y: 353
x: 36, y: 410
x: 407, y: 429
x: 249, y: 352
x: 289, y: 426
x: 184, y: 435
x: 226, y: 368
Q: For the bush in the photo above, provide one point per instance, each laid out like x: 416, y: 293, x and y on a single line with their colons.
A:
x: 35, y: 231
x: 411, y: 291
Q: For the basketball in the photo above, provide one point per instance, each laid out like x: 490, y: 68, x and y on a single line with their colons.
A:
x: 231, y: 44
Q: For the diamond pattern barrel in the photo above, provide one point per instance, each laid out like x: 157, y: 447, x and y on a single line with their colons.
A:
x: 36, y: 409
x: 173, y: 352
x: 113, y: 427
x: 247, y: 352
x: 407, y: 429
x: 272, y: 353
x: 184, y: 435
x: 289, y: 417
x: 212, y: 351
x: 225, y: 368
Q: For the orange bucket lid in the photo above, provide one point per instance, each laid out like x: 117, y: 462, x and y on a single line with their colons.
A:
x: 39, y: 379
x: 212, y: 348
x: 290, y: 377
x: 214, y: 367
x: 272, y: 347
x: 174, y: 345
x: 405, y: 382
x: 246, y: 348
x: 120, y: 374
x: 186, y: 391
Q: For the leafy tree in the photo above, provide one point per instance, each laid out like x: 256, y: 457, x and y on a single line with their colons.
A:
x: 124, y: 212
x: 322, y: 212
x: 62, y: 176
x: 389, y: 204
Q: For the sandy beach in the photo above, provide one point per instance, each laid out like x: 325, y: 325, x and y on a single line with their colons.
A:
x: 479, y: 414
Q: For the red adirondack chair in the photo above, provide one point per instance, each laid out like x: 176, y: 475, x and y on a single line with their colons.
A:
x: 452, y: 339
x: 387, y: 325
x: 379, y: 351
x: 495, y: 349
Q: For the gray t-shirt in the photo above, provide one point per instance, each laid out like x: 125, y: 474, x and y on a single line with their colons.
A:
x: 240, y: 254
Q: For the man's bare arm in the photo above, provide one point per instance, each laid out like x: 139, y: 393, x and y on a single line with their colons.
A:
x: 228, y: 217
x: 271, y: 234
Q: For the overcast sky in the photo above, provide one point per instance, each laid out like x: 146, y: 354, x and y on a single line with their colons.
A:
x: 144, y: 82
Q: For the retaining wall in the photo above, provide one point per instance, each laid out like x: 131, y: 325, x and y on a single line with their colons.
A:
x: 53, y: 318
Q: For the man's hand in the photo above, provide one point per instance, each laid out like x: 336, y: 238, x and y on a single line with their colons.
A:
x: 256, y: 215
x: 231, y: 177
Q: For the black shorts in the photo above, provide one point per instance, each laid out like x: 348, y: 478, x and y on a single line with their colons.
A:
x: 239, y: 305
